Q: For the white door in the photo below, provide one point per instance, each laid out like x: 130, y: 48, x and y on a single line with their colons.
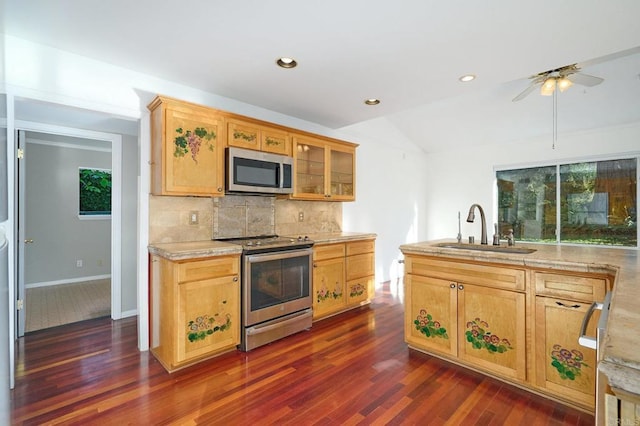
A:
x: 23, y: 241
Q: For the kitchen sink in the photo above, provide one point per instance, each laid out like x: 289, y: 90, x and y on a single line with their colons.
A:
x: 479, y: 247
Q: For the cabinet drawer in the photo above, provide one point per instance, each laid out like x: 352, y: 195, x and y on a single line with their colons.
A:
x: 571, y: 287
x: 209, y: 268
x: 359, y: 247
x: 360, y: 265
x: 328, y: 251
x: 490, y: 276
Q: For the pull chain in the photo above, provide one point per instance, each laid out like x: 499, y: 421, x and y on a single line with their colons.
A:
x: 555, y: 118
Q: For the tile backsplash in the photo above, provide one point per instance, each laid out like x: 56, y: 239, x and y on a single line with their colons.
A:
x: 238, y: 215
x: 243, y: 216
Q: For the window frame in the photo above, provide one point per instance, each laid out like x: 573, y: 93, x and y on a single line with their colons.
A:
x: 557, y: 163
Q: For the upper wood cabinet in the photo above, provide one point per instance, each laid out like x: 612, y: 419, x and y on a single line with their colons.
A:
x: 324, y: 169
x: 245, y: 134
x: 188, y: 143
x: 187, y: 149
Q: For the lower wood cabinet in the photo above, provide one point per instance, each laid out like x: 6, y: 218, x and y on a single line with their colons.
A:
x: 195, y: 309
x: 480, y: 326
x: 518, y: 324
x: 343, y: 276
x: 562, y: 365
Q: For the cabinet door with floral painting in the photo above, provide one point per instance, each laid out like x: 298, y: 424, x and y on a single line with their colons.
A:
x: 187, y: 149
x: 275, y: 140
x: 430, y: 314
x: 492, y: 330
x: 209, y: 317
x: 328, y: 287
x: 562, y: 365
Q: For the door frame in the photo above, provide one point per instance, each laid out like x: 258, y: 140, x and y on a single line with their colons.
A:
x: 116, y: 209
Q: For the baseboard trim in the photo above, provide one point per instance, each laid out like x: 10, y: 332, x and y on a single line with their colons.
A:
x: 131, y: 313
x: 67, y: 281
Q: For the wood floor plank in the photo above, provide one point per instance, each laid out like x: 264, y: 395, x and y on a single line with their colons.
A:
x: 353, y: 368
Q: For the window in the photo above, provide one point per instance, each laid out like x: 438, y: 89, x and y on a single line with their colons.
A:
x: 95, y: 192
x: 597, y: 200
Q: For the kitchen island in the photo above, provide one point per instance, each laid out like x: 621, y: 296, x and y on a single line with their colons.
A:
x: 620, y: 357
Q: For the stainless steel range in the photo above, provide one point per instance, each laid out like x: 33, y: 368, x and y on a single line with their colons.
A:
x: 276, y: 288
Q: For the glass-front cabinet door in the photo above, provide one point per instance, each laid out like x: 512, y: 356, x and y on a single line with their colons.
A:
x: 342, y: 174
x: 310, y: 173
x: 324, y: 170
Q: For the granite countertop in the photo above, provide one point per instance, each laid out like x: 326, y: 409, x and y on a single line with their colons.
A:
x: 339, y: 237
x: 621, y: 345
x: 194, y: 249
x: 207, y: 248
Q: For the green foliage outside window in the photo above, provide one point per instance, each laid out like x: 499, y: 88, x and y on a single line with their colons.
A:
x: 95, y: 192
x: 591, y: 202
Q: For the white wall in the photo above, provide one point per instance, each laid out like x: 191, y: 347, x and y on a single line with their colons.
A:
x: 60, y: 238
x: 129, y: 235
x: 459, y: 179
x: 390, y: 193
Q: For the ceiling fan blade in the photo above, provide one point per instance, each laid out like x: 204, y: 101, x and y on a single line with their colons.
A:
x: 525, y: 92
x: 584, y: 79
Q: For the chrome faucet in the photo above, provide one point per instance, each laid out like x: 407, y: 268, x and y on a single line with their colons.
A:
x: 472, y: 216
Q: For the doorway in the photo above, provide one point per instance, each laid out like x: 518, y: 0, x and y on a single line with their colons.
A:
x: 67, y: 253
x: 57, y: 150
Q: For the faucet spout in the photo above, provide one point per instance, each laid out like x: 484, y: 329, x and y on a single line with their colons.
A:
x: 471, y: 217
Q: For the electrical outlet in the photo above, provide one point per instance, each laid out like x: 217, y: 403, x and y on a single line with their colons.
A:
x: 300, y: 216
x: 193, y: 217
x: 79, y: 263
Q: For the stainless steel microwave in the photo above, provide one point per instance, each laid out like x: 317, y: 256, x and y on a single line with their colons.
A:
x: 258, y: 172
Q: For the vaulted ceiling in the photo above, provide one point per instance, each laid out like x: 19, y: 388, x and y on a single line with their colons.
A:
x: 408, y: 53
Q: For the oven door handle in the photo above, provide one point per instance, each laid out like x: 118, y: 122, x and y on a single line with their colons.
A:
x: 584, y: 340
x: 257, y: 329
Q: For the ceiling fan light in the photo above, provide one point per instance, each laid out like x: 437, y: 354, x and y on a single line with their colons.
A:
x: 548, y: 87
x: 564, y: 83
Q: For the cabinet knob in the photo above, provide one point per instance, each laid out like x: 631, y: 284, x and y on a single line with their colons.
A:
x: 235, y: 279
x: 460, y: 287
x: 452, y: 285
x: 315, y: 265
x: 219, y: 189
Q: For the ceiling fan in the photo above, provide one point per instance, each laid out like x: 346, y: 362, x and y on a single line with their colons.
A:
x: 560, y: 78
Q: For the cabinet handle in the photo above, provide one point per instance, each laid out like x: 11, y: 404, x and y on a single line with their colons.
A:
x: 452, y: 285
x: 315, y: 265
x: 460, y: 287
x: 567, y: 306
x: 235, y: 279
x: 584, y: 340
x: 219, y: 189
x: 28, y: 241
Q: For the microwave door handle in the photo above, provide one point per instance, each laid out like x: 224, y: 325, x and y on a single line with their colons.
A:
x: 280, y: 176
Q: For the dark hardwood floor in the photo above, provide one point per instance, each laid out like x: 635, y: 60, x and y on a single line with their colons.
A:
x: 350, y: 369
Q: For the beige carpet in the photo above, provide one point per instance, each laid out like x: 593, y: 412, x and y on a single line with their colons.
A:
x: 66, y: 303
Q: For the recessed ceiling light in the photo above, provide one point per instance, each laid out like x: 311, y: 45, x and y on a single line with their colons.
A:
x: 285, y: 62
x: 372, y: 101
x: 467, y: 77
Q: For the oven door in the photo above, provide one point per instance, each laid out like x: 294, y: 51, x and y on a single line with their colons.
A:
x: 275, y: 284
